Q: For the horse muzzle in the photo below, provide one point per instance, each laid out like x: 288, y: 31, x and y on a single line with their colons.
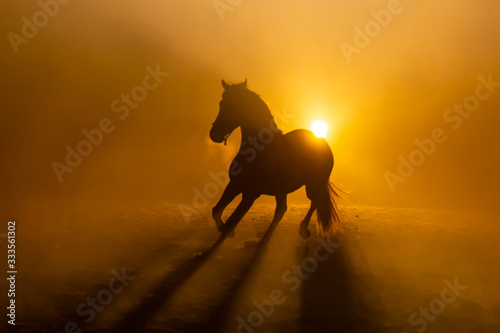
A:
x: 215, y: 137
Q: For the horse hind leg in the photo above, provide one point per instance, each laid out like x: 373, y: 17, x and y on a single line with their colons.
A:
x: 279, y: 212
x: 311, y: 191
x: 322, y: 195
x: 304, y: 231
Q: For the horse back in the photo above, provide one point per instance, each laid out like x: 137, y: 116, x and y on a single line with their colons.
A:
x: 284, y: 164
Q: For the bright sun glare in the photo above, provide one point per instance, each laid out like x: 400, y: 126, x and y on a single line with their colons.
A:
x: 319, y: 128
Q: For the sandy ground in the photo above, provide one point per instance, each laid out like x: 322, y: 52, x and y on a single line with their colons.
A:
x: 394, y: 270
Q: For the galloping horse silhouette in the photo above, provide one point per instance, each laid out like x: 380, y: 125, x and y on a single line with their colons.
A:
x: 272, y: 163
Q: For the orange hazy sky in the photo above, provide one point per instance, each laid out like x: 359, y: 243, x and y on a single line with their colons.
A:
x: 419, y: 59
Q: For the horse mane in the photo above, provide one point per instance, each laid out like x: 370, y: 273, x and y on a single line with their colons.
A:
x: 257, y: 110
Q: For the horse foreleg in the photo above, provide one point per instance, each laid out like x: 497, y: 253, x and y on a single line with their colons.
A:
x: 240, y: 211
x: 229, y: 194
x: 304, y: 232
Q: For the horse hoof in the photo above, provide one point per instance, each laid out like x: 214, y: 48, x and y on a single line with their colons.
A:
x: 231, y: 234
x: 304, y: 233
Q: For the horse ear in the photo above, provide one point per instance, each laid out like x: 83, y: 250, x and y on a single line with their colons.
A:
x: 246, y: 80
x: 224, y: 84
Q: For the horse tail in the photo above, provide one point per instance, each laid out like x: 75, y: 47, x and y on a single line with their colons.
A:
x: 327, y: 210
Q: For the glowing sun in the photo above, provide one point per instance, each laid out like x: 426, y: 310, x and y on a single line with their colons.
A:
x: 319, y: 128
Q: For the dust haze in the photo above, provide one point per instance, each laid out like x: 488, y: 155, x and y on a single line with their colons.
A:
x: 394, y: 91
x: 392, y: 97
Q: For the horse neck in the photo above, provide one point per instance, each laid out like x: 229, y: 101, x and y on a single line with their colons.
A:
x: 261, y: 119
x: 262, y: 127
x: 250, y: 131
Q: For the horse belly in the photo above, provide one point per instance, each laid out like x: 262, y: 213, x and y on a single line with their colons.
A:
x: 287, y: 164
x: 282, y: 177
x: 278, y: 186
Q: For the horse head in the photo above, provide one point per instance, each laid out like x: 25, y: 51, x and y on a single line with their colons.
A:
x: 228, y: 118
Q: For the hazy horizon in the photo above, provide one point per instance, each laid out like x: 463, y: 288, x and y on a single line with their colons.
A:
x: 394, y: 91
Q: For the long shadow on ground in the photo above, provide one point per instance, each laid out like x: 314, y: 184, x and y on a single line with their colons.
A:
x: 136, y: 319
x: 221, y: 314
x: 333, y: 298
x: 166, y: 288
